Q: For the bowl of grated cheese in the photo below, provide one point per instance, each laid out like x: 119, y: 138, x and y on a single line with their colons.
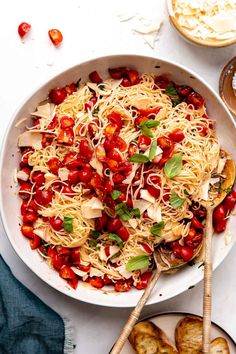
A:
x: 207, y: 23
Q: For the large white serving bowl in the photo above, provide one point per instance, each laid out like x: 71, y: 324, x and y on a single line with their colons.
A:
x: 169, y: 285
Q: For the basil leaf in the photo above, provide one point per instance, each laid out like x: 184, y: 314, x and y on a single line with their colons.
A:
x: 149, y: 123
x: 115, y: 194
x: 116, y: 238
x: 68, y: 224
x: 135, y: 212
x: 152, y: 151
x: 175, y: 102
x: 146, y: 125
x: 93, y: 242
x: 95, y: 234
x: 123, y: 211
x: 101, y: 87
x: 115, y: 255
x: 95, y: 111
x: 157, y: 228
x: 139, y: 158
x: 171, y: 91
x: 186, y: 192
x: 176, y: 201
x: 173, y: 166
x: 139, y: 262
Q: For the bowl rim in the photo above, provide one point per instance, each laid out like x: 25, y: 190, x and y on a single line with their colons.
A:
x: 201, y: 42
x: 4, y: 147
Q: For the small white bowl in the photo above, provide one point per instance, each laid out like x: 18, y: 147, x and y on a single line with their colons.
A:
x: 207, y: 42
x: 169, y: 285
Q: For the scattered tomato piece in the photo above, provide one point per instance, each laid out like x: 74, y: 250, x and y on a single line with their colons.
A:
x: 23, y: 29
x: 55, y: 36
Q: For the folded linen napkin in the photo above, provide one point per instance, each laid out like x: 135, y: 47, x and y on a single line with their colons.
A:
x: 27, y: 325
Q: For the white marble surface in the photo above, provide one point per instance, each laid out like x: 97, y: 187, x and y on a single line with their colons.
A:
x: 92, y: 29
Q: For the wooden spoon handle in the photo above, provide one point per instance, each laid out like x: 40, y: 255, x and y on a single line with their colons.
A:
x: 207, y: 284
x: 134, y: 316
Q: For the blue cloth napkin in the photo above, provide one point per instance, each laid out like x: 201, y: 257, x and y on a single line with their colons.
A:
x: 27, y: 325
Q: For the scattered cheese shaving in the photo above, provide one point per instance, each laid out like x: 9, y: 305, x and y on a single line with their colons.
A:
x: 92, y: 208
x: 125, y: 273
x: 63, y: 173
x: 203, y: 192
x: 30, y: 138
x: 144, y: 194
x: 97, y: 165
x: 154, y: 212
x: 141, y: 204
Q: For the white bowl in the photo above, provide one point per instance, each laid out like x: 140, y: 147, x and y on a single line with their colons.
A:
x: 169, y: 285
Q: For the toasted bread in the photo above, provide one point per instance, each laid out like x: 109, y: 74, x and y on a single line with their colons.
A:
x: 147, y: 338
x: 219, y: 346
x: 188, y: 335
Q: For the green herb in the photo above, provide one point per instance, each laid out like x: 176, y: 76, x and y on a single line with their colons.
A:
x: 157, y: 228
x: 152, y: 151
x: 139, y: 262
x: 116, y: 238
x: 95, y: 111
x: 191, y: 287
x: 115, y: 194
x: 139, y: 158
x: 173, y: 166
x: 126, y: 213
x: 186, y: 192
x: 93, y: 242
x: 201, y: 265
x: 175, y: 103
x: 146, y: 125
x: 95, y: 234
x: 176, y: 201
x: 115, y: 255
x: 101, y: 87
x: 171, y: 91
x: 225, y: 190
x: 68, y: 224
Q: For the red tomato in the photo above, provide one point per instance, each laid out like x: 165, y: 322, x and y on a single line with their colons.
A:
x: 112, y: 164
x: 25, y: 191
x: 73, y: 282
x: 230, y: 201
x: 123, y: 285
x: 88, y: 106
x: 67, y: 273
x: 198, y: 211
x: 144, y: 142
x: 177, y: 135
x: 196, y: 224
x: 29, y: 217
x: 186, y: 253
x: 74, y: 176
x: 63, y: 251
x: 109, y: 144
x: 38, y: 178
x: 146, y: 247
x: 125, y: 82
x: 71, y: 160
x: 155, y: 192
x: 85, y: 149
x: 85, y: 268
x: 114, y: 224
x: 85, y: 175
x: 96, y: 181
x: 132, y: 150
x: 75, y: 256
x: 53, y: 124
x: 107, y: 281
x: 117, y: 73
x: 176, y: 248
x: 95, y: 78
x: 120, y: 144
x: 56, y: 223
x: 54, y: 164
x: 93, y: 128
x: 23, y: 29
x: 96, y: 282
x: 116, y: 119
x: 55, y: 36
x: 184, y: 90
x: 100, y: 152
x: 66, y: 136
x: 118, y: 178
x: 133, y: 76
x: 123, y: 233
x: 70, y: 88
x: 43, y: 197
x: 27, y: 152
x: 101, y: 223
x: 193, y: 240
x: 57, y: 95
x: 35, y: 242
x: 149, y: 112
x: 67, y: 122
x: 114, y: 155
x: 110, y: 130
x: 108, y: 187
x: 25, y: 173
x: 58, y: 261
x: 195, y: 99
x: 139, y: 120
x: 28, y: 206
x: 143, y: 282
x: 162, y: 82
x: 166, y: 145
x: 219, y: 218
x: 68, y: 191
x: 27, y: 230
x: 125, y: 167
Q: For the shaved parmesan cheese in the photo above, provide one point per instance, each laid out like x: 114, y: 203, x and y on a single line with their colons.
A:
x: 125, y: 273
x: 154, y: 212
x: 80, y: 273
x: 141, y: 204
x: 203, y: 192
x: 97, y: 165
x: 133, y: 223
x: 22, y: 175
x: 94, y: 272
x: 63, y: 173
x: 140, y: 103
x: 100, y: 92
x: 144, y: 194
x: 42, y: 234
x: 44, y: 111
x: 221, y: 165
x: 92, y: 208
x: 30, y: 138
x: 49, y: 177
x: 113, y: 250
x: 148, y: 26
x: 102, y: 255
x: 221, y: 23
x: 129, y: 179
x: 158, y: 151
x: 214, y: 180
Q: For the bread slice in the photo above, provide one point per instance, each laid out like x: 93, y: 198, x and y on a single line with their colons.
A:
x: 147, y: 338
x: 188, y: 335
x: 219, y: 346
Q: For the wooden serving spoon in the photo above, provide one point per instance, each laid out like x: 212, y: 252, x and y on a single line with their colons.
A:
x: 164, y: 263
x: 229, y: 172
